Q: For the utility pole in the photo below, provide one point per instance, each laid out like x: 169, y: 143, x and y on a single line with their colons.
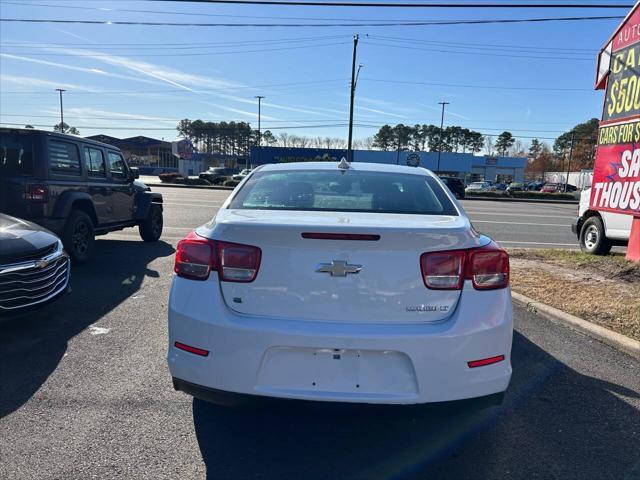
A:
x: 566, y: 185
x: 259, y: 97
x: 441, y: 133
x: 353, y: 93
x: 60, y: 90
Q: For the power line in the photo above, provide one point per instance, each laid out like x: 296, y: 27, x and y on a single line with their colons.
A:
x: 490, y: 87
x: 180, y: 90
x: 458, y: 52
x: 480, y: 45
x: 182, y: 54
x: 296, y: 25
x: 197, y: 14
x: 404, y: 5
x: 311, y: 45
x: 283, y: 127
x: 176, y: 46
x: 332, y: 125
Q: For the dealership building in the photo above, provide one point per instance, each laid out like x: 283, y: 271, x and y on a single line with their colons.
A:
x: 150, y: 155
x: 463, y: 165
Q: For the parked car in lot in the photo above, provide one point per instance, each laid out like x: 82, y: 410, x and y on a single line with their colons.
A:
x: 598, y: 231
x: 558, y: 188
x: 217, y: 175
x: 516, y: 187
x: 240, y: 176
x: 455, y: 185
x: 34, y: 269
x: 75, y: 187
x: 365, y: 283
x: 536, y: 186
x: 478, y: 187
x: 499, y: 187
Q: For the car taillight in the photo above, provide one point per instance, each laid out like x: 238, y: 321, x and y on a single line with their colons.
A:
x: 443, y: 270
x: 36, y: 193
x: 197, y: 257
x: 487, y: 268
x: 238, y: 263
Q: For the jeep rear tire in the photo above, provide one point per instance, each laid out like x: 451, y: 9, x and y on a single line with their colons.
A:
x: 78, y: 236
x: 592, y: 237
x: 151, y: 227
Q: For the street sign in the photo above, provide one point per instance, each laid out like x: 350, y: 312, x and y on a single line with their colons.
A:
x: 616, y: 173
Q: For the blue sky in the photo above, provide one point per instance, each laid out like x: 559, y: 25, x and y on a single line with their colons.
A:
x: 139, y: 80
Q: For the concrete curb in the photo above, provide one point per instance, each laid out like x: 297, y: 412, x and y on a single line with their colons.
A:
x: 616, y: 340
x: 523, y: 200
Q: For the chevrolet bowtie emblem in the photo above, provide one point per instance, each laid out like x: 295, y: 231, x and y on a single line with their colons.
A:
x: 42, y: 263
x: 338, y: 268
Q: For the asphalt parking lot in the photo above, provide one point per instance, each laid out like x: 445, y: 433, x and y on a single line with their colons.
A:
x: 85, y: 391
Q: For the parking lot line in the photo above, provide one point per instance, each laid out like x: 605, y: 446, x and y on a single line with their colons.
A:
x: 203, y: 204
x: 520, y: 223
x: 538, y: 243
x: 515, y: 214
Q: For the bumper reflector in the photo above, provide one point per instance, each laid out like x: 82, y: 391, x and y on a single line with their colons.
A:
x: 194, y: 350
x: 485, y: 361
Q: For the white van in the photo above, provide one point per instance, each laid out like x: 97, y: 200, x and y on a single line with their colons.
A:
x: 599, y: 231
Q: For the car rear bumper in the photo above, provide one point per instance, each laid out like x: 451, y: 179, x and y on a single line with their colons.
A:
x: 231, y: 399
x: 354, y: 363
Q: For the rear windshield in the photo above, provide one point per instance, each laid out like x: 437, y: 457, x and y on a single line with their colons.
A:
x: 352, y: 191
x: 16, y: 154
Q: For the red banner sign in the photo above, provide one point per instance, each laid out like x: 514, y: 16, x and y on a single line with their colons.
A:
x: 616, y: 178
x: 616, y: 174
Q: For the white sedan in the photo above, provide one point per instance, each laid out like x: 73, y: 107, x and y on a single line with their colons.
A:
x: 344, y: 283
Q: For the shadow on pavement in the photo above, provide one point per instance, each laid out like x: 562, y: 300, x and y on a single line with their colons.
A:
x: 555, y: 423
x: 31, y: 346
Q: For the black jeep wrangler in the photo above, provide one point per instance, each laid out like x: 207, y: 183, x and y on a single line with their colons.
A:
x: 75, y: 187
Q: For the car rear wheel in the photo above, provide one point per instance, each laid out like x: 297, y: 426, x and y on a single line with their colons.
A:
x: 78, y: 236
x: 151, y: 227
x: 592, y: 237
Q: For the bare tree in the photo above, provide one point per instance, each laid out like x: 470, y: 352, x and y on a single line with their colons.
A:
x: 517, y: 150
x: 367, y: 143
x: 304, y: 142
x: 294, y: 141
x: 283, y: 139
x: 340, y: 143
x: 488, y: 144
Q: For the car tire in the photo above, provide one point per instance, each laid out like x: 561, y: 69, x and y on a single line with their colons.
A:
x: 592, y: 237
x: 78, y: 236
x: 151, y: 227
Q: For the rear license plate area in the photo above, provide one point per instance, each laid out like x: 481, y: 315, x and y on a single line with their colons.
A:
x: 305, y: 371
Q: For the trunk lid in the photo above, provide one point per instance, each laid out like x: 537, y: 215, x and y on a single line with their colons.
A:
x: 387, y: 288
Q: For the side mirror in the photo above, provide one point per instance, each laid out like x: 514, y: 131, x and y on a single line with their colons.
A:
x: 135, y: 173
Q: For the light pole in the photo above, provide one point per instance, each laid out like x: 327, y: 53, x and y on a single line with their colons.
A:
x: 60, y: 90
x: 259, y: 97
x: 353, y: 93
x: 566, y: 185
x: 441, y: 132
